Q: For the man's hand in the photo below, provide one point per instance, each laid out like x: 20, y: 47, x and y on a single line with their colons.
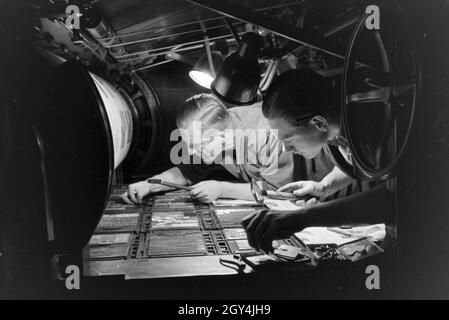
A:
x: 206, y: 191
x: 137, y: 191
x: 265, y: 226
x: 304, y: 188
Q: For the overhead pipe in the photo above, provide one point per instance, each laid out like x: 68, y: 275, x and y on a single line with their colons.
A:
x: 241, y: 13
x: 176, y: 49
x: 163, y: 37
x: 173, y: 46
x: 137, y: 33
x: 342, y: 24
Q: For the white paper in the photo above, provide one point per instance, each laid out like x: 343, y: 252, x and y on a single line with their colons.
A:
x: 339, y: 236
x: 119, y: 116
x: 321, y: 235
x: 375, y: 232
x: 282, y: 205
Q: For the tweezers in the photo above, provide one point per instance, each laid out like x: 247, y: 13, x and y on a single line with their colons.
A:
x: 238, y: 265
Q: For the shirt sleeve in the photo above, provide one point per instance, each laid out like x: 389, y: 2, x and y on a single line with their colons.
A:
x: 195, y: 173
x: 277, y: 167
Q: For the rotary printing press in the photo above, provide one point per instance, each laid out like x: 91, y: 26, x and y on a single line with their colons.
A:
x: 84, y: 109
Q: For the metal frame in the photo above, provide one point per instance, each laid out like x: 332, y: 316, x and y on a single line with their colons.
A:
x: 200, y: 30
x: 181, y: 47
x: 241, y: 13
x: 169, y: 48
x: 158, y: 29
x: 388, y: 84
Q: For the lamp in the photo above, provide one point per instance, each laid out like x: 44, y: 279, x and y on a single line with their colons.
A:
x: 237, y: 80
x: 203, y: 73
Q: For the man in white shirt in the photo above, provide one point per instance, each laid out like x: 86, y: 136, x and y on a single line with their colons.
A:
x: 251, y: 151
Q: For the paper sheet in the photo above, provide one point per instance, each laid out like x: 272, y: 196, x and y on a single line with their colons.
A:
x: 375, y: 232
x: 339, y: 236
x: 320, y: 235
x: 281, y: 205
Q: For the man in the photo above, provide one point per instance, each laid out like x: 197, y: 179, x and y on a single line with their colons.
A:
x: 305, y: 109
x: 250, y: 151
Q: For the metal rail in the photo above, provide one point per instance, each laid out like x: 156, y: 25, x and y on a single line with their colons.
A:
x: 195, y: 22
x: 241, y: 13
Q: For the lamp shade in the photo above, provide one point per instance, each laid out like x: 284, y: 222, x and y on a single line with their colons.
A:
x: 202, y: 73
x: 237, y: 80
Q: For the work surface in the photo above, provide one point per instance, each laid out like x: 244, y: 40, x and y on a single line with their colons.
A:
x: 171, y: 236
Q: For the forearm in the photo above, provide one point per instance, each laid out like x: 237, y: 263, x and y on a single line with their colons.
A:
x: 335, y: 181
x: 173, y: 175
x: 241, y: 191
x: 370, y: 207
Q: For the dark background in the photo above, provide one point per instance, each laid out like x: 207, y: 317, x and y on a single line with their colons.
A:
x: 424, y: 173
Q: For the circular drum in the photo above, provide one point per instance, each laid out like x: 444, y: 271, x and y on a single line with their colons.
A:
x: 87, y: 128
x: 380, y: 89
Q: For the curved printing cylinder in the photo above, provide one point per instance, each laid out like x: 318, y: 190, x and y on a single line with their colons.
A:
x: 85, y: 128
x: 119, y: 116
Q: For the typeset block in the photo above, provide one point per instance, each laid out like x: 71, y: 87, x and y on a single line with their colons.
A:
x: 169, y: 225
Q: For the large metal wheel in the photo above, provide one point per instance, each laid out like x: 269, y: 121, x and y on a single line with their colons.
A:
x: 380, y: 89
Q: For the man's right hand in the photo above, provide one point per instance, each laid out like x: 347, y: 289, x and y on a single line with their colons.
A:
x: 267, y: 225
x: 303, y: 188
x: 137, y: 191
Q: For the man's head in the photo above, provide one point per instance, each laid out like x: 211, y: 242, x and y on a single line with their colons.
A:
x: 305, y: 109
x: 205, y: 108
x: 204, y: 120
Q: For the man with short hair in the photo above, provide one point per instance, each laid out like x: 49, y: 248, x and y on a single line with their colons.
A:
x: 257, y: 155
x: 305, y: 109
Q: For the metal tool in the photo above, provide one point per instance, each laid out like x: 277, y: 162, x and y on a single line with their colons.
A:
x: 169, y: 184
x: 259, y: 194
x: 236, y: 264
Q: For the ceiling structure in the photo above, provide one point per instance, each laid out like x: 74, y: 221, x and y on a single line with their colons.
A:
x: 145, y: 34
